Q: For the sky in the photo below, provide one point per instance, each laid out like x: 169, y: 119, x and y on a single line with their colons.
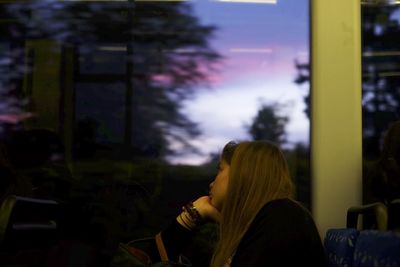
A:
x: 259, y: 43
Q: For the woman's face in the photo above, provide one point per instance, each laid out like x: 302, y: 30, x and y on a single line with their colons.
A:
x: 219, y: 186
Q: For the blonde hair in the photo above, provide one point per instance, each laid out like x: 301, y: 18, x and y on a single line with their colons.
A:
x: 258, y: 174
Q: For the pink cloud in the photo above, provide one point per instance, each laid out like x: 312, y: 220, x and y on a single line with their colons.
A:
x: 15, y: 118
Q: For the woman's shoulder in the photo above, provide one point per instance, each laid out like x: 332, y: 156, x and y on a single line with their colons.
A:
x: 287, y: 224
x: 285, y: 205
x: 286, y: 235
x: 281, y: 212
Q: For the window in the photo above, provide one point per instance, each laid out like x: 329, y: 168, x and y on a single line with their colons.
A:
x: 381, y: 89
x: 143, y: 95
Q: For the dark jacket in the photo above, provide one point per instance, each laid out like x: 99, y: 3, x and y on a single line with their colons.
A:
x: 283, y: 234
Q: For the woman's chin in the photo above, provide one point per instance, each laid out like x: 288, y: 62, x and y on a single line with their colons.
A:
x: 216, y: 204
x: 212, y: 201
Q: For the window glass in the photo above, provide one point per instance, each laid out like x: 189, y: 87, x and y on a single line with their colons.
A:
x: 121, y: 108
x: 381, y: 100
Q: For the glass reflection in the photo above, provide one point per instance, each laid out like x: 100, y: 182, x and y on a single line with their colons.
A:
x: 381, y: 74
x: 381, y: 105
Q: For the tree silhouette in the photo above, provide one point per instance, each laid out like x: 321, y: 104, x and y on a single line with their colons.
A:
x: 381, y: 84
x: 267, y: 125
x: 170, y: 58
x: 11, y: 107
x: 167, y: 56
x: 303, y: 77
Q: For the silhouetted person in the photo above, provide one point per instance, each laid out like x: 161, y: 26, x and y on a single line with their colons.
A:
x: 382, y: 180
x: 11, y: 183
x: 39, y: 155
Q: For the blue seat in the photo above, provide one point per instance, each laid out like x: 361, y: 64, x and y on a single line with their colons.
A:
x: 377, y: 249
x: 339, y: 246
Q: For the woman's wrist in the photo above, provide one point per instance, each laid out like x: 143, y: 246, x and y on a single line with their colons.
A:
x: 193, y: 213
x: 184, y: 220
x: 189, y: 217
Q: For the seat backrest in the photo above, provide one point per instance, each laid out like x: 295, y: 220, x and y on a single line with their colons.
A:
x: 377, y: 249
x: 27, y: 222
x: 339, y: 246
x: 376, y: 211
x: 394, y: 215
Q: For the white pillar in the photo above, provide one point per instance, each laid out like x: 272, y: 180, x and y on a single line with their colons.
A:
x: 336, y: 147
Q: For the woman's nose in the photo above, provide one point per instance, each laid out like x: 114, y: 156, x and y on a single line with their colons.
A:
x: 211, y: 184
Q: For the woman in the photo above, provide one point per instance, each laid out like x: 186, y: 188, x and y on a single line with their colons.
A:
x: 259, y: 222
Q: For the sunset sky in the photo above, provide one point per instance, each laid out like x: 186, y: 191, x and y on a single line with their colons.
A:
x: 259, y: 43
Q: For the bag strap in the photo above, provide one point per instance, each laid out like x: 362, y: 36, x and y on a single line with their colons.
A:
x: 161, y: 248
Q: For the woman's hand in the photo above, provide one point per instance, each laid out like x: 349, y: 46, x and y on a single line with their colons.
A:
x: 206, y: 209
